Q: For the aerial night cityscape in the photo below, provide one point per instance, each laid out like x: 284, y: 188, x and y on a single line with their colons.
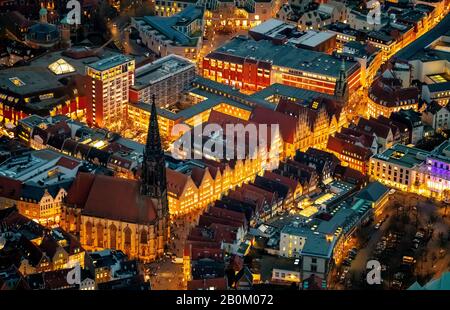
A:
x: 225, y: 145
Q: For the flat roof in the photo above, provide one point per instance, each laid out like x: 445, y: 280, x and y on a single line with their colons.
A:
x: 285, y: 56
x: 28, y: 80
x: 403, y: 155
x: 38, y: 78
x: 212, y: 100
x: 289, y: 92
x: 313, y: 38
x: 269, y: 26
x: 110, y: 62
x: 159, y: 70
x: 167, y: 26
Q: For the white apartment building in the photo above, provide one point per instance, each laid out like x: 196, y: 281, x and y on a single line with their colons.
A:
x: 164, y: 78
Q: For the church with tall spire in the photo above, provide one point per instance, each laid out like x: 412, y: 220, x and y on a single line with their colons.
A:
x: 123, y: 214
x: 153, y: 175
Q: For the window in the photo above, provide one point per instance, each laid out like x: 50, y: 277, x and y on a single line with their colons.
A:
x: 144, y: 238
x: 127, y: 242
x: 89, y: 233
x: 112, y: 236
x: 100, y: 235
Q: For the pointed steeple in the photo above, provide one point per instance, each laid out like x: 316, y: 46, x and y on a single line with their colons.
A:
x: 153, y: 178
x: 153, y: 139
x: 341, y: 88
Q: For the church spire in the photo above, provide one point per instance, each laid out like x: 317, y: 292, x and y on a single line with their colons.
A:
x: 341, y: 87
x: 153, y: 144
x: 153, y: 178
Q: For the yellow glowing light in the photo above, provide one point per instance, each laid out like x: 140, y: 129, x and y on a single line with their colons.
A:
x: 99, y: 144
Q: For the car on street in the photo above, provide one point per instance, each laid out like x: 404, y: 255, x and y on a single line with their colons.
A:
x: 378, y: 225
x: 343, y: 275
x: 347, y: 262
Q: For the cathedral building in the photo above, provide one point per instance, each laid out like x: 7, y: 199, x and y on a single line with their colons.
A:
x: 123, y: 214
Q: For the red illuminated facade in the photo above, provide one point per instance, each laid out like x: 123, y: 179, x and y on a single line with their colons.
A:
x: 253, y: 75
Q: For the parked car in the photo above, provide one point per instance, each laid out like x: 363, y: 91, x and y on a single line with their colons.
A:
x: 378, y: 225
x: 343, y: 275
x: 347, y: 262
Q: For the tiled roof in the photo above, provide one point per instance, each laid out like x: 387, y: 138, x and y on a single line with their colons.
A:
x: 292, y: 184
x: 386, y: 92
x: 287, y: 124
x: 176, y: 181
x: 10, y: 188
x: 372, y: 126
x: 337, y: 145
x: 79, y: 190
x: 118, y: 199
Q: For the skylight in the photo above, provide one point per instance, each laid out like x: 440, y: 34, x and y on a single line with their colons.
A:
x: 16, y: 81
x: 61, y: 67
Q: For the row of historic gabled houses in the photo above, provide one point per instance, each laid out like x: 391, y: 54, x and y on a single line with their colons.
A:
x: 214, y: 249
x: 197, y: 183
x: 32, y: 248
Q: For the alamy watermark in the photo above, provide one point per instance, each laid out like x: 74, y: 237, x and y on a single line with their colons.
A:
x: 374, y: 275
x: 74, y: 15
x: 74, y: 276
x: 374, y: 15
x: 226, y: 141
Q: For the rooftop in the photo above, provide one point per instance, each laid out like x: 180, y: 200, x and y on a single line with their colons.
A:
x: 403, y: 155
x: 160, y: 70
x: 416, y: 50
x: 110, y: 62
x: 439, y: 87
x: 284, y: 56
x: 290, y: 92
x: 167, y: 26
x: 214, y: 94
x: 38, y: 166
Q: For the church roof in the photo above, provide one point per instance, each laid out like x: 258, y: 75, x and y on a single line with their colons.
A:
x: 79, y: 191
x: 112, y: 198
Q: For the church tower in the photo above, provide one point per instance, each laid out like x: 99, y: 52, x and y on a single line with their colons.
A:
x: 341, y: 88
x: 153, y: 178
